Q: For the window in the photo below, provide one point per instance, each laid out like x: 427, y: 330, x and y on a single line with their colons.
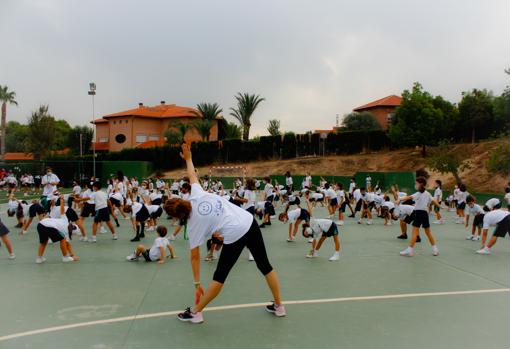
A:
x: 103, y: 139
x: 114, y: 122
x: 153, y: 138
x: 141, y: 138
x: 391, y: 117
x: 120, y: 138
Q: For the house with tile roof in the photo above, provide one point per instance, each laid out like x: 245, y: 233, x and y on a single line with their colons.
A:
x: 145, y: 127
x: 383, y: 109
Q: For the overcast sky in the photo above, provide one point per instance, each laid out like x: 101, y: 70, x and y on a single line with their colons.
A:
x: 311, y: 60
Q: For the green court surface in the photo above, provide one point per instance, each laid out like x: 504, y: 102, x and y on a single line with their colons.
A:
x: 371, y: 298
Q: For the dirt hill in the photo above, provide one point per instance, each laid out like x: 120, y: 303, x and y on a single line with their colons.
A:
x: 476, y: 178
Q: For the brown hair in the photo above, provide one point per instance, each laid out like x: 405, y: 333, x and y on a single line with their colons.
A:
x: 178, y: 208
x: 422, y: 181
x: 161, y: 230
x: 250, y: 184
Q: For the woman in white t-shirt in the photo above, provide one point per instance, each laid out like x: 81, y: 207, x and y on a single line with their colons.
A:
x: 206, y: 214
x: 422, y: 199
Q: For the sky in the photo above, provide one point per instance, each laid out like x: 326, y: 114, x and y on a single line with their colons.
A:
x: 310, y: 60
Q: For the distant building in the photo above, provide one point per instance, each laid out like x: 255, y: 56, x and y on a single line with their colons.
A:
x: 145, y: 127
x: 383, y: 109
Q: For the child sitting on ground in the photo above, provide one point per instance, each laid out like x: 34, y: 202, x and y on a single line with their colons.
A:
x: 158, y: 250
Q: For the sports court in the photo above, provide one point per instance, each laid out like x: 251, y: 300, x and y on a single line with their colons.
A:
x: 370, y: 298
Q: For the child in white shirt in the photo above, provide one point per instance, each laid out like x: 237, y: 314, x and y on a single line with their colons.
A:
x: 158, y: 250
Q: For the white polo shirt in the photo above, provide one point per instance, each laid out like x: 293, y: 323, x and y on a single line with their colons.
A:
x: 492, y: 218
x: 422, y: 200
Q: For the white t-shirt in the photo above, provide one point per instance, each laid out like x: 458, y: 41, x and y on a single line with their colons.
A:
x: 294, y: 215
x: 307, y: 181
x: 330, y: 193
x: 46, y: 181
x: 462, y: 196
x: 317, y: 196
x: 100, y: 199
x: 340, y: 195
x: 438, y: 195
x: 210, y: 214
x: 76, y: 190
x: 288, y: 181
x: 403, y: 211
x: 352, y: 185
x: 135, y: 207
x: 422, y: 200
x: 492, y: 218
x: 155, y: 252
x: 88, y: 194
x: 60, y: 224
x: 507, y: 198
x: 152, y: 208
x: 357, y: 195
x: 268, y: 189
x: 320, y: 226
x: 251, y: 197
x: 390, y: 205
x: 55, y: 211
x: 475, y: 210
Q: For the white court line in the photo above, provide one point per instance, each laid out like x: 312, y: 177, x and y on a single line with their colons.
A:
x: 247, y: 305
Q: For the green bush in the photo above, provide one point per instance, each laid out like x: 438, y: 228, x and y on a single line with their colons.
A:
x: 499, y: 160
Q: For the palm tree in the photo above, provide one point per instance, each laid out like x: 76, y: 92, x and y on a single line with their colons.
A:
x: 203, y: 127
x: 246, y: 105
x: 209, y: 111
x: 6, y: 97
x: 181, y: 128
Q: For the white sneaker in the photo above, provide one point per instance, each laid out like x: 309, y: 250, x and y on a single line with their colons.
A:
x: 171, y: 237
x: 67, y: 259
x: 340, y: 222
x: 485, y: 251
x: 40, y: 260
x: 115, y: 237
x: 12, y: 256
x: 312, y: 254
x: 435, y: 251
x: 132, y: 258
x: 388, y: 224
x: 83, y: 238
x: 102, y: 230
x: 476, y: 238
x: 437, y: 222
x: 470, y: 237
x: 290, y: 240
x: 151, y: 228
x: 408, y: 252
x: 369, y: 222
x: 335, y: 257
x: 310, y: 240
x: 93, y: 239
x: 23, y: 232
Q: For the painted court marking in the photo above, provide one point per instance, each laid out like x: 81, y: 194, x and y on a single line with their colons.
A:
x: 247, y: 305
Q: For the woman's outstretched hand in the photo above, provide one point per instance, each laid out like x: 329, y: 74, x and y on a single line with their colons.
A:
x: 186, y: 151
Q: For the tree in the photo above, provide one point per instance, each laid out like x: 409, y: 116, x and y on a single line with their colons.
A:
x: 476, y: 110
x: 501, y: 109
x: 16, y: 135
x: 41, y: 132
x: 173, y: 137
x: 446, y: 159
x: 203, y: 127
x: 208, y: 111
x: 364, y: 121
x: 246, y: 106
x: 233, y: 131
x: 499, y: 160
x: 6, y: 97
x: 77, y: 134
x: 62, y: 129
x: 421, y: 119
x: 181, y: 128
x: 274, y: 127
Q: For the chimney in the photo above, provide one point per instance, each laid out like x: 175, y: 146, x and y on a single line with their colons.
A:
x: 162, y: 102
x: 140, y: 105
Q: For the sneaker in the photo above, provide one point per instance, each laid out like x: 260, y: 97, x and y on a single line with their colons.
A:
x: 470, y: 237
x: 151, y: 228
x: 290, y: 240
x: 12, y: 256
x: 335, y: 257
x: 435, y: 251
x: 23, y: 232
x: 312, y: 254
x: 310, y: 240
x: 102, y: 230
x: 40, y: 260
x: 476, y: 238
x: 115, y: 237
x: 437, y: 222
x: 83, y: 238
x: 408, y: 252
x: 485, y: 251
x: 171, y: 237
x: 369, y: 222
x: 402, y: 237
x: 136, y: 238
x: 388, y: 224
x: 132, y: 258
x: 67, y: 259
x: 340, y: 222
x: 93, y: 239
x: 189, y: 316
x: 277, y: 310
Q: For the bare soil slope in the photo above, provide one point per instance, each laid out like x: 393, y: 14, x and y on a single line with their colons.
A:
x: 476, y: 178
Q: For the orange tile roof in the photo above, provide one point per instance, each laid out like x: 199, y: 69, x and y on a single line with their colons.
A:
x: 389, y: 101
x: 162, y: 111
x: 18, y: 156
x: 151, y: 144
x: 99, y: 121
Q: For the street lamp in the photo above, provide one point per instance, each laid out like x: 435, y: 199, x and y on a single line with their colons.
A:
x: 92, y: 92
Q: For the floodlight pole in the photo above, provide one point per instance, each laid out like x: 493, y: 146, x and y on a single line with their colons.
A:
x: 92, y: 92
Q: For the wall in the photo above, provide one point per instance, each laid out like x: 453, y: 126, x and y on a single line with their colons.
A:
x: 381, y: 115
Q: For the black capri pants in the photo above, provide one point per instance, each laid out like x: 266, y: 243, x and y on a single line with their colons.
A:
x: 230, y: 254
